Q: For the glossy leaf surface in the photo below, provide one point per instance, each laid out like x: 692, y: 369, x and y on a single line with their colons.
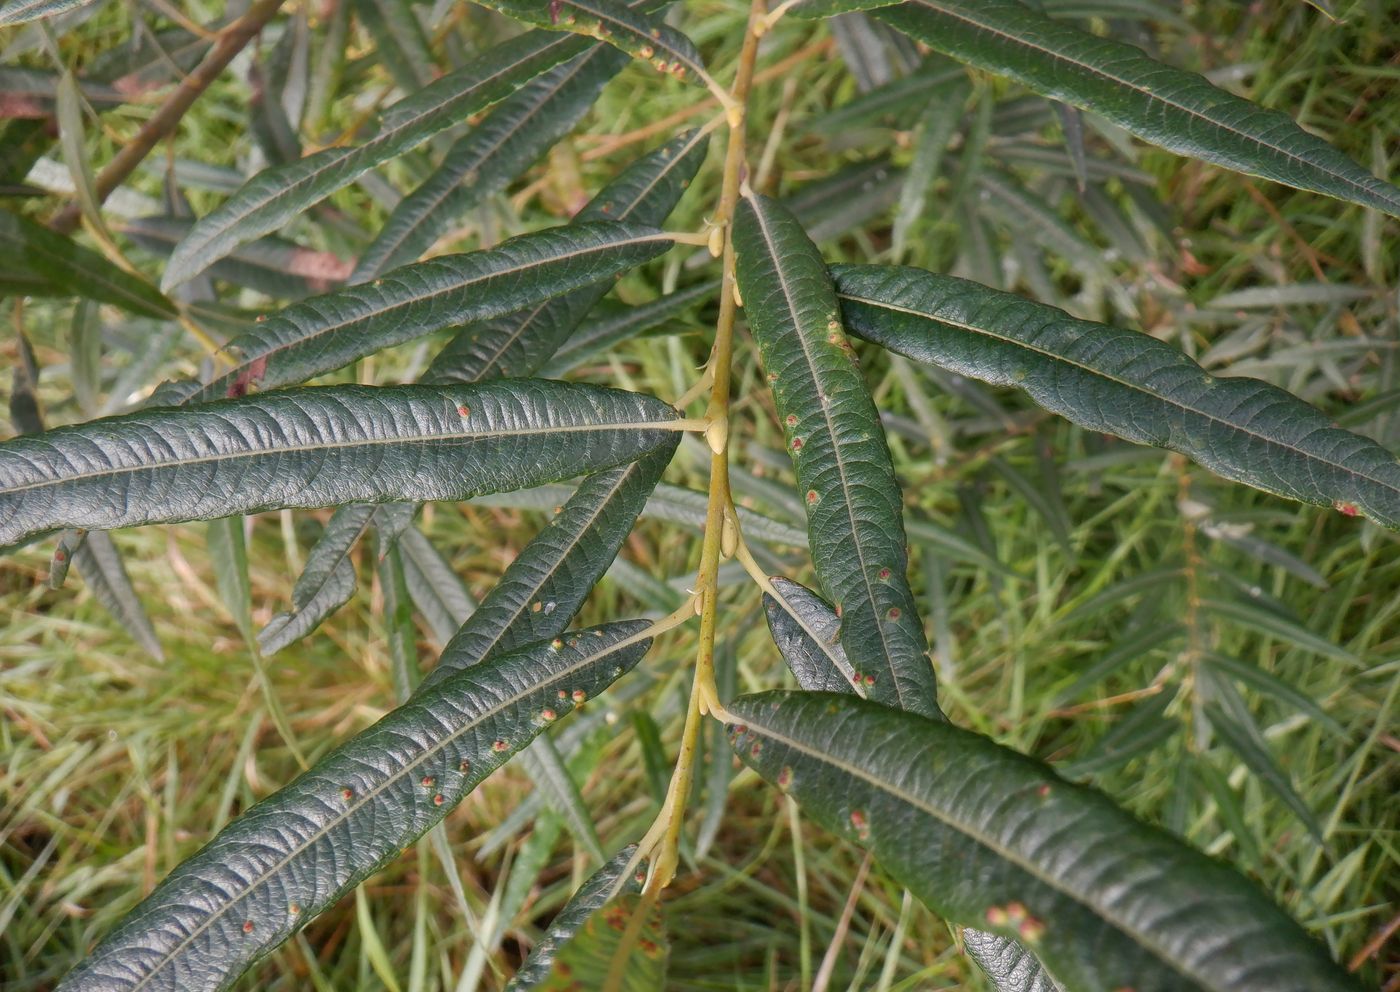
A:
x: 320, y: 447
x: 1173, y: 108
x: 1009, y: 966
x: 604, y: 885
x: 327, y: 332
x: 546, y: 583
x: 992, y: 839
x: 294, y: 854
x: 854, y: 507
x: 277, y: 195
x: 325, y: 584
x: 808, y: 634
x: 1124, y: 383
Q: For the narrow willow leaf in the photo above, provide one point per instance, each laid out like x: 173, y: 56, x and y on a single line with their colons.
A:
x: 294, y: 854
x: 875, y: 54
x: 100, y: 564
x: 1290, y: 632
x: 546, y: 583
x: 399, y: 631
x: 326, y: 582
x: 599, y: 956
x: 643, y: 36
x: 277, y: 195
x: 1270, y: 685
x: 438, y: 593
x: 602, y: 887
x: 606, y: 328
x: 1141, y: 730
x: 270, y: 265
x: 399, y: 41
x: 832, y: 207
x: 808, y: 634
x: 1232, y: 722
x: 518, y: 344
x: 23, y: 11
x: 855, y: 522
x: 488, y: 157
x: 320, y: 447
x: 1175, y: 109
x: 992, y: 839
x: 327, y: 332
x: 30, y: 247
x: 1009, y: 966
x: 228, y: 552
x: 1124, y: 383
x: 550, y: 775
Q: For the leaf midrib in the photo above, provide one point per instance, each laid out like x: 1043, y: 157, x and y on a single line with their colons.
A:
x: 979, y: 837
x: 97, y: 275
x: 430, y: 752
x: 1133, y: 386
x: 1095, y: 70
x: 660, y: 41
x: 412, y: 300
x: 338, y: 445
x: 835, y: 443
x: 837, y: 662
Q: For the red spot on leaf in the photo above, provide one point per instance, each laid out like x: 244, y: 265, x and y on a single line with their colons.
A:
x: 250, y: 375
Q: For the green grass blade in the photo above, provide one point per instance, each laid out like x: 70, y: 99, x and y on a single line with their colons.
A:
x: 279, y: 194
x: 27, y: 247
x: 275, y: 868
x: 489, y: 157
x: 546, y: 583
x: 992, y: 839
x: 328, y: 332
x: 1124, y: 383
x: 855, y: 521
x: 320, y: 447
x: 602, y: 887
x: 1169, y: 107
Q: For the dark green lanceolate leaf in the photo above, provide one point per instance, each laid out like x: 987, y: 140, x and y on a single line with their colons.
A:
x: 27, y: 247
x: 489, y: 156
x: 519, y: 343
x: 294, y: 854
x: 22, y: 11
x: 270, y: 265
x: 855, y: 522
x: 1009, y: 966
x: 277, y: 195
x: 641, y: 35
x: 548, y: 581
x: 1169, y: 107
x: 327, y: 332
x: 808, y: 634
x: 100, y: 565
x: 399, y: 40
x: 320, y: 447
x: 604, y: 329
x: 602, y: 887
x: 992, y: 839
x: 1270, y: 685
x: 435, y: 589
x: 325, y: 584
x: 600, y: 957
x: 1124, y: 383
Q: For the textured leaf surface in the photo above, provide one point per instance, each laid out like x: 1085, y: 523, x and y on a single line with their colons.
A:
x: 294, y: 854
x: 327, y: 332
x: 1124, y: 383
x: 640, y: 35
x: 325, y: 584
x: 854, y: 509
x: 519, y: 343
x: 27, y: 247
x: 277, y: 195
x: 602, y: 330
x: 1009, y: 966
x: 546, y: 583
x: 320, y: 447
x: 488, y: 157
x: 100, y: 564
x: 1175, y: 109
x: 595, y: 957
x: 992, y: 839
x: 436, y: 590
x: 22, y: 11
x: 604, y: 885
x: 808, y: 634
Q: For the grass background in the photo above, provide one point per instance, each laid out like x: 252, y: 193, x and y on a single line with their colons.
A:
x: 115, y: 765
